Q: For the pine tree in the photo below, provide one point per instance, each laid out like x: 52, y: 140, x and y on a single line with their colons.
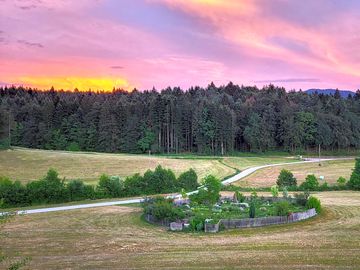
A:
x: 354, y: 181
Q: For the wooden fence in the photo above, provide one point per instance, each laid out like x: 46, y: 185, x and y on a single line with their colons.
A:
x: 258, y: 222
x: 151, y: 219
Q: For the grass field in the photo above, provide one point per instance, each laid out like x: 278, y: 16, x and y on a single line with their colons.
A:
x: 29, y: 164
x: 116, y: 238
x: 242, y: 163
x: 331, y: 170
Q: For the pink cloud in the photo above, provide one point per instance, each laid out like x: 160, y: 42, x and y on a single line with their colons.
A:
x: 242, y: 41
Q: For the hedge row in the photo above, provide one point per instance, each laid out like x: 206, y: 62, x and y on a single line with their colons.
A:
x: 52, y: 189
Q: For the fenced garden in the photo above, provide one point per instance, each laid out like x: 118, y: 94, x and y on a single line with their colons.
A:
x: 208, y: 211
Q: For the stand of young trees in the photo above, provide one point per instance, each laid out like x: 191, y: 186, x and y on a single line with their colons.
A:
x: 53, y: 189
x: 214, y: 120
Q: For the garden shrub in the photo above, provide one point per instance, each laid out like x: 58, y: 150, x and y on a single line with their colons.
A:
x: 282, y: 208
x: 314, y: 202
x: 311, y: 183
x: 253, y: 196
x: 286, y: 179
x: 197, y: 223
x: 285, y: 193
x: 163, y: 209
x: 302, y: 198
x: 252, y: 210
x: 275, y: 191
x: 239, y: 197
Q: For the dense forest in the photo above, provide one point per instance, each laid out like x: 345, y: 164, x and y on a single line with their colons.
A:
x: 214, y: 120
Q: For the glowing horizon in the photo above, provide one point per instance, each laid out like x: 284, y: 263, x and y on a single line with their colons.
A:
x: 106, y: 44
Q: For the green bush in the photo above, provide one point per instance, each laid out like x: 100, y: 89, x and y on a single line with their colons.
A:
x: 134, y: 185
x: 163, y: 209
x: 110, y: 186
x: 302, y: 198
x: 239, y: 196
x: 197, y: 223
x: 282, y: 208
x: 275, y: 191
x: 341, y: 181
x: 252, y: 210
x: 12, y: 193
x: 209, y: 194
x: 324, y: 186
x: 311, y: 183
x: 50, y: 189
x: 314, y: 202
x: 354, y: 182
x: 74, y: 147
x: 77, y: 190
x: 286, y: 179
x: 285, y: 192
x: 188, y: 180
x: 159, y: 181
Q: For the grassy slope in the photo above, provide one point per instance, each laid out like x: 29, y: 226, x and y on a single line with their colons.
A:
x: 331, y: 170
x: 29, y: 164
x: 116, y: 238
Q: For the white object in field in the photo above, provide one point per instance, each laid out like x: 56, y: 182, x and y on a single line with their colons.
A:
x: 322, y: 177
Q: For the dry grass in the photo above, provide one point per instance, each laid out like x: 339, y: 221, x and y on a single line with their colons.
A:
x: 116, y: 238
x: 331, y: 170
x: 30, y: 164
x: 27, y: 164
x: 242, y: 163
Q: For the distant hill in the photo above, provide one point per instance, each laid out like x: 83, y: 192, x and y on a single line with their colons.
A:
x: 343, y: 93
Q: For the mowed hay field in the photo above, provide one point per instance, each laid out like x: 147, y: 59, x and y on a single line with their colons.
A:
x: 242, y: 163
x: 28, y: 164
x: 116, y: 238
x: 331, y: 170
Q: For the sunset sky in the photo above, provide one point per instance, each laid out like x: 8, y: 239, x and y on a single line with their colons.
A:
x: 101, y: 44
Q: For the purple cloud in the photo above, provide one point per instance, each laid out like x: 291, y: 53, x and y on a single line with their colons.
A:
x: 30, y: 44
x: 116, y: 67
x: 289, y: 80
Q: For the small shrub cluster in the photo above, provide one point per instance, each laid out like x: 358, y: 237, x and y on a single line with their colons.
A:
x: 302, y: 198
x: 314, y: 202
x: 162, y: 209
x: 282, y: 208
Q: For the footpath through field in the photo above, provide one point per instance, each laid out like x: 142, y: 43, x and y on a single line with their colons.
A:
x: 228, y: 181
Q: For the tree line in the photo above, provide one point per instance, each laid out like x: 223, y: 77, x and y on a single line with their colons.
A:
x: 52, y: 189
x: 211, y: 120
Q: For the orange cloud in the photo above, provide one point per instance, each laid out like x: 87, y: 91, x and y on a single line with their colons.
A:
x: 81, y: 83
